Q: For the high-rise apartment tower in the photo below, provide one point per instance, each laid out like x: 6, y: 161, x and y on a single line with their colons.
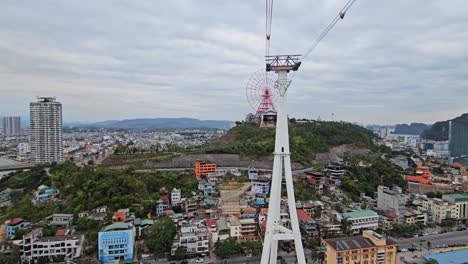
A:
x: 46, y: 130
x: 11, y: 125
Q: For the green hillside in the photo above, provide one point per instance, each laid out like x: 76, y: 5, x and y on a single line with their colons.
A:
x: 305, y: 139
x: 85, y: 188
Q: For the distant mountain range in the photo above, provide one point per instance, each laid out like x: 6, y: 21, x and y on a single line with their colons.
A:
x: 412, y: 129
x: 142, y: 123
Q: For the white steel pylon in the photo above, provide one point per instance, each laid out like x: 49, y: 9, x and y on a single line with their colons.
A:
x: 281, y: 168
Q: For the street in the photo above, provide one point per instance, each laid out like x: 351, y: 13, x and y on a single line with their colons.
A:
x: 455, y: 237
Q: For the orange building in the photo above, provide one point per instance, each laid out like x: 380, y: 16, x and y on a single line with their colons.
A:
x: 202, y: 168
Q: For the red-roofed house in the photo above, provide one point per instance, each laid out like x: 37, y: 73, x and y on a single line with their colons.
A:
x: 119, y: 217
x: 14, y: 224
x: 308, y: 226
x: 64, y: 232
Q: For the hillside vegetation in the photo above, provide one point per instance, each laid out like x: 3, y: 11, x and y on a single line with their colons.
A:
x: 85, y: 188
x: 305, y: 139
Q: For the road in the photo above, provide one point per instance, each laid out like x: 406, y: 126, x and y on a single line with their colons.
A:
x: 455, y: 237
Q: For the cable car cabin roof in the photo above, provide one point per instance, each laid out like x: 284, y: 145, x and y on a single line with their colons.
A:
x: 283, y: 63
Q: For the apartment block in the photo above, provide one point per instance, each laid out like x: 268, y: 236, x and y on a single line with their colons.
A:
x: 11, y: 125
x: 369, y: 248
x: 35, y: 246
x: 193, y: 237
x: 362, y: 220
x: 46, y: 130
x: 393, y: 200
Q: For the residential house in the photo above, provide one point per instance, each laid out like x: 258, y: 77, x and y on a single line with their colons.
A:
x: 116, y: 243
x: 415, y: 216
x: 308, y: 226
x: 369, y: 248
x: 248, y: 229
x: 192, y: 236
x: 191, y: 205
x: 212, y: 230
x: 176, y: 196
x: 141, y: 225
x: 63, y: 220
x: 162, y: 204
x: 15, y: 224
x: 34, y: 247
x: 223, y: 229
x: 101, y: 209
x: 234, y: 226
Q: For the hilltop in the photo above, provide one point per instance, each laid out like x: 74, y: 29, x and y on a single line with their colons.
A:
x: 306, y: 139
x: 439, y: 131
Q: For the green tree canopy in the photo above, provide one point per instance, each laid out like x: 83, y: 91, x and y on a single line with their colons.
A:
x: 160, y: 235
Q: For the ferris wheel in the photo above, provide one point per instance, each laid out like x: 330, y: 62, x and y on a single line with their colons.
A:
x: 260, y: 91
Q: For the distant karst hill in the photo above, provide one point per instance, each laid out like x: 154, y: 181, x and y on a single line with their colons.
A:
x: 412, y: 129
x: 439, y: 131
x: 150, y: 123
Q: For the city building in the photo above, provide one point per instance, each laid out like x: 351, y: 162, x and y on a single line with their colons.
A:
x: 361, y: 220
x: 23, y: 150
x: 11, y: 125
x: 46, y: 130
x: 162, y: 204
x: 415, y: 216
x: 261, y: 185
x: 223, y: 229
x: 308, y: 226
x: 461, y: 204
x: 369, y: 248
x: 202, y: 168
x: 62, y: 220
x: 234, y: 226
x: 34, y: 247
x: 192, y: 236
x: 14, y: 225
x: 116, y: 243
x: 248, y: 229
x: 176, y: 196
x: 437, y: 209
x: 391, y: 200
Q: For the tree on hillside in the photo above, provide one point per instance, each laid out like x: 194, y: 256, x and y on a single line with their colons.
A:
x: 160, y: 235
x: 346, y: 227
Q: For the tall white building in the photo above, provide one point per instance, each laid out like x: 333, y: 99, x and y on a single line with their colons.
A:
x: 46, y: 130
x: 11, y: 125
x: 391, y: 200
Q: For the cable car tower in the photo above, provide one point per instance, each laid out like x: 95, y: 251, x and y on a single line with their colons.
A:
x: 282, y: 65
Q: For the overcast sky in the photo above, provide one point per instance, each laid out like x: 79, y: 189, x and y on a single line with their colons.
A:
x: 386, y: 62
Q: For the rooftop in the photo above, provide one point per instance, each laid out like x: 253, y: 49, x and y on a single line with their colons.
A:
x: 350, y: 243
x: 359, y: 214
x: 458, y: 197
x: 16, y: 221
x: 455, y: 257
x: 116, y: 226
x: 303, y: 216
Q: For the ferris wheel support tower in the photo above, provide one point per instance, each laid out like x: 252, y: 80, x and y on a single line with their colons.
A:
x: 275, y: 232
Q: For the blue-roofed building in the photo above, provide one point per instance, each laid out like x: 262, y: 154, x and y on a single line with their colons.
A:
x: 451, y: 257
x: 116, y: 243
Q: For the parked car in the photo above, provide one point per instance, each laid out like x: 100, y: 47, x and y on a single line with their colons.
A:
x: 199, y: 260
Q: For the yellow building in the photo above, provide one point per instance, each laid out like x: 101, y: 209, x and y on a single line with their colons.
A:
x: 369, y: 248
